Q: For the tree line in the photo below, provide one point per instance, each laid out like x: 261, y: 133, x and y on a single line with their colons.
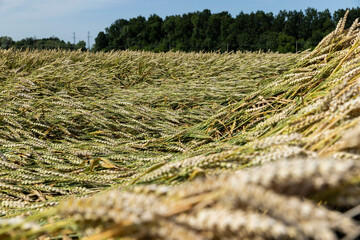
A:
x: 7, y: 42
x: 287, y: 31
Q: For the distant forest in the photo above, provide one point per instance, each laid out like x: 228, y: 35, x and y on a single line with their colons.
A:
x: 44, y: 43
x: 288, y: 31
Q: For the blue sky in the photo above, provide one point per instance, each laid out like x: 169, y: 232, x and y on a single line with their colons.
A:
x: 45, y: 18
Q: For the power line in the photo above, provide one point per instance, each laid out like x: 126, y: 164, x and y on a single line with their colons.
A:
x: 89, y: 47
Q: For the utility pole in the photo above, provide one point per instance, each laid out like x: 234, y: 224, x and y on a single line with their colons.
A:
x: 89, y: 47
x: 74, y: 37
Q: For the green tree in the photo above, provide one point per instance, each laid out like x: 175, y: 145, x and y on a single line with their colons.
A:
x: 279, y: 22
x: 200, y: 23
x: 227, y: 37
x: 293, y: 24
x: 101, y: 42
x: 286, y: 43
x: 213, y: 33
x: 245, y: 31
x: 117, y: 34
x: 154, y: 31
x: 6, y: 42
x: 308, y: 23
x: 208, y: 31
x: 136, y: 37
x: 168, y: 28
x: 81, y: 45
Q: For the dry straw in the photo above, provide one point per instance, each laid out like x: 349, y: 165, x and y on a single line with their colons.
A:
x: 182, y: 146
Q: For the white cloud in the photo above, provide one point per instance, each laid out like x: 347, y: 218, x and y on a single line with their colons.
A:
x: 35, y: 9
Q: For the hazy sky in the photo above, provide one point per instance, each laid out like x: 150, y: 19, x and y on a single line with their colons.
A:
x: 45, y: 18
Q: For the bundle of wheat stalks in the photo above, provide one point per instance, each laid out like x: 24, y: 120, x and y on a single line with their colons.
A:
x: 281, y: 162
x: 75, y: 123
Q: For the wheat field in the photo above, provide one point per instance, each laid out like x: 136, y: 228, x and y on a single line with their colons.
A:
x: 139, y: 145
